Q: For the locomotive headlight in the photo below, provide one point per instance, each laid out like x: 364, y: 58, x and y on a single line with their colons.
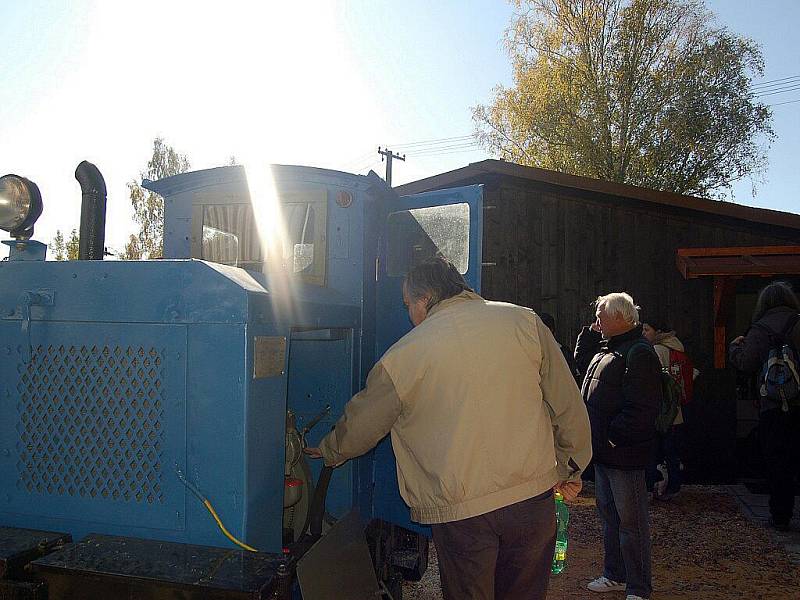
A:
x: 20, y: 205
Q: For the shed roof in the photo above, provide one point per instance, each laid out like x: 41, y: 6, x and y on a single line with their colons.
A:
x: 499, y: 167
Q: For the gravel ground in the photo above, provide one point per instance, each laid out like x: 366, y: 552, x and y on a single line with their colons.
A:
x: 703, y: 548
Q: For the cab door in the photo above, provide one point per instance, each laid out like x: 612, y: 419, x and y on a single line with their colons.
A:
x: 418, y: 227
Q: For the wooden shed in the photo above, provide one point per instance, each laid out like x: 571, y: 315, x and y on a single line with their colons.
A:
x: 554, y: 242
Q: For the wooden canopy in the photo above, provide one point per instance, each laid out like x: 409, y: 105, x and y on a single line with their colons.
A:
x: 726, y: 265
x: 763, y: 261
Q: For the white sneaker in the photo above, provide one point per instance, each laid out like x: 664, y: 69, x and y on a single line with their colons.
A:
x: 660, y: 487
x: 604, y: 584
x: 634, y: 597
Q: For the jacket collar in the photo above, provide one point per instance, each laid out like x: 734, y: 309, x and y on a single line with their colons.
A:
x: 618, y: 340
x: 463, y: 296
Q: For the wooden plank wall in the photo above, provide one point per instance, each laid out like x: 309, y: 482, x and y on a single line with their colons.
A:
x: 555, y: 250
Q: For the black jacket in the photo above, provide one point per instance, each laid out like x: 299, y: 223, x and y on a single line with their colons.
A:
x: 750, y: 355
x: 622, y: 399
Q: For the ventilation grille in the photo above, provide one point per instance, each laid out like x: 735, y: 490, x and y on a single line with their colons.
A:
x: 90, y: 423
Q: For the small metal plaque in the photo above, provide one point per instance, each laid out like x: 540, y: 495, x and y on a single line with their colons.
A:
x: 269, y: 356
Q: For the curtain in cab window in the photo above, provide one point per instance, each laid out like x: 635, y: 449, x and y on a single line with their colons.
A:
x: 231, y: 237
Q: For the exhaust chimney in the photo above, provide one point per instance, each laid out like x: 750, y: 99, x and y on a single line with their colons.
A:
x: 93, y: 212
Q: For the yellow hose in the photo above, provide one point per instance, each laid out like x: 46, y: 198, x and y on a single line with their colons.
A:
x: 193, y: 488
x: 210, y: 508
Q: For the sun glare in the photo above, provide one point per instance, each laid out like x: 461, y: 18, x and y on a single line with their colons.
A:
x: 266, y: 209
x: 270, y: 223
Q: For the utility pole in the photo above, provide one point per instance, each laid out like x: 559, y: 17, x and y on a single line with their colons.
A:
x: 389, y: 156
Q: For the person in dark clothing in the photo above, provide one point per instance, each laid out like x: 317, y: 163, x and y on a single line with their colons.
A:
x: 550, y: 322
x: 622, y: 391
x: 778, y: 430
x: 664, y: 341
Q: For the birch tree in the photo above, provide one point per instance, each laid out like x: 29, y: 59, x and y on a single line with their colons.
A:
x: 646, y: 92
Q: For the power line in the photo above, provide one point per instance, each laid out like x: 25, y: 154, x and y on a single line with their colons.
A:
x: 446, y: 146
x: 358, y: 160
x: 414, y: 148
x: 435, y: 151
x: 776, y: 86
x: 433, y: 142
x: 790, y: 88
x: 787, y: 102
x: 365, y: 166
x: 773, y: 82
x: 448, y: 152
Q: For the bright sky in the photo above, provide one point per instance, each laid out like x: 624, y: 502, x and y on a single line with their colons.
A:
x: 313, y: 83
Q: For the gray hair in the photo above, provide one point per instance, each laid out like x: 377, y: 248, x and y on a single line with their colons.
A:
x: 619, y: 304
x: 436, y: 278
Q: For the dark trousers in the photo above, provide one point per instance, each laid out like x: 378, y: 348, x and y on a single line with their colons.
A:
x: 666, y: 449
x: 503, y: 555
x: 622, y: 505
x: 779, y: 435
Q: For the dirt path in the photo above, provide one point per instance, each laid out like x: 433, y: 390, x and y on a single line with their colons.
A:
x: 703, y: 548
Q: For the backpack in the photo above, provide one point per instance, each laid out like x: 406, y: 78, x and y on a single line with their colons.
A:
x: 779, y: 377
x: 671, y: 394
x: 682, y: 371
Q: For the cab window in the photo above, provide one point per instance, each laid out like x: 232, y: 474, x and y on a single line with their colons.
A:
x: 230, y: 235
x: 420, y: 233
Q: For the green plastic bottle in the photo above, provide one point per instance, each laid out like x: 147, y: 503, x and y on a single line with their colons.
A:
x: 562, y: 520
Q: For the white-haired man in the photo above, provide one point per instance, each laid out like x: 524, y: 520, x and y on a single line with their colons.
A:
x: 622, y: 391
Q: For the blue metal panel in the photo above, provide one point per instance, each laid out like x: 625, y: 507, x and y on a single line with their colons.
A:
x: 224, y: 432
x: 91, y: 426
x: 177, y: 229
x: 392, y: 324
x: 25, y: 250
x: 219, y: 461
x: 320, y: 375
x: 265, y: 416
x: 159, y: 291
x: 216, y: 419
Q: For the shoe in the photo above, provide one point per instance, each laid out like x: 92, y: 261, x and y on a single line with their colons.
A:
x: 660, y: 487
x: 778, y: 525
x: 666, y: 496
x: 634, y: 597
x: 604, y: 584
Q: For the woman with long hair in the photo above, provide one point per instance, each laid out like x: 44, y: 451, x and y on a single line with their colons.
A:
x: 776, y: 320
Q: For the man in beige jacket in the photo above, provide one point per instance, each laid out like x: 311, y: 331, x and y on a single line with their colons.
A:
x: 486, y: 419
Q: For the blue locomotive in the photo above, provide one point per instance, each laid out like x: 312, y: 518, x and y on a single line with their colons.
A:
x: 154, y: 412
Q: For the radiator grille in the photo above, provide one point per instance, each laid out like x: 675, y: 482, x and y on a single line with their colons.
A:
x: 90, y: 422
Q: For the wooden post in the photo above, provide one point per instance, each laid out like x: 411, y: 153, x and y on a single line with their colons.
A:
x: 723, y: 292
